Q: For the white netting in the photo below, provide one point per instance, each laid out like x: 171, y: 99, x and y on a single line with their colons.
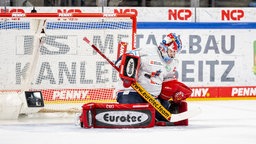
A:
x: 49, y: 54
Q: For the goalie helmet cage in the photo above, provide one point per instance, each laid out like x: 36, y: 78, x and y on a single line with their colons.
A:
x: 46, y: 52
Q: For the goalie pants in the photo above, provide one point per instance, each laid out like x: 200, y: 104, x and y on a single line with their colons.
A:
x: 134, y: 97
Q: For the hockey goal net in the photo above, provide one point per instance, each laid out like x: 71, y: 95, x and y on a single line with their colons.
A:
x: 46, y: 52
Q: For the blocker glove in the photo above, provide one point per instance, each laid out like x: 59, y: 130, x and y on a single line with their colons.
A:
x: 129, y: 68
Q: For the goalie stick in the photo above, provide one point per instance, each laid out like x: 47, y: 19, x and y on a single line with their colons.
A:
x: 147, y: 96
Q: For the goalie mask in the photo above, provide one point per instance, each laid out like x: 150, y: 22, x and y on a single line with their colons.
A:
x: 169, y: 46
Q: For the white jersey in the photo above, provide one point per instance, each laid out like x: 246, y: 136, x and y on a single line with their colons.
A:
x: 153, y: 71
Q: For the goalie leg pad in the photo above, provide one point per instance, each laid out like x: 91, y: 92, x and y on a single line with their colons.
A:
x: 175, y: 108
x: 183, y: 106
x: 109, y: 115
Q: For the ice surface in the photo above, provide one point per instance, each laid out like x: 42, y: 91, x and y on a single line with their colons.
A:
x: 225, y: 122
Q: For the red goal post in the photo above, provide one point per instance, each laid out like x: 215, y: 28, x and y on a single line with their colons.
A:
x: 46, y: 52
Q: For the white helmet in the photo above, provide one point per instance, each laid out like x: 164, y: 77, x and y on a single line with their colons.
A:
x: 171, y: 41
